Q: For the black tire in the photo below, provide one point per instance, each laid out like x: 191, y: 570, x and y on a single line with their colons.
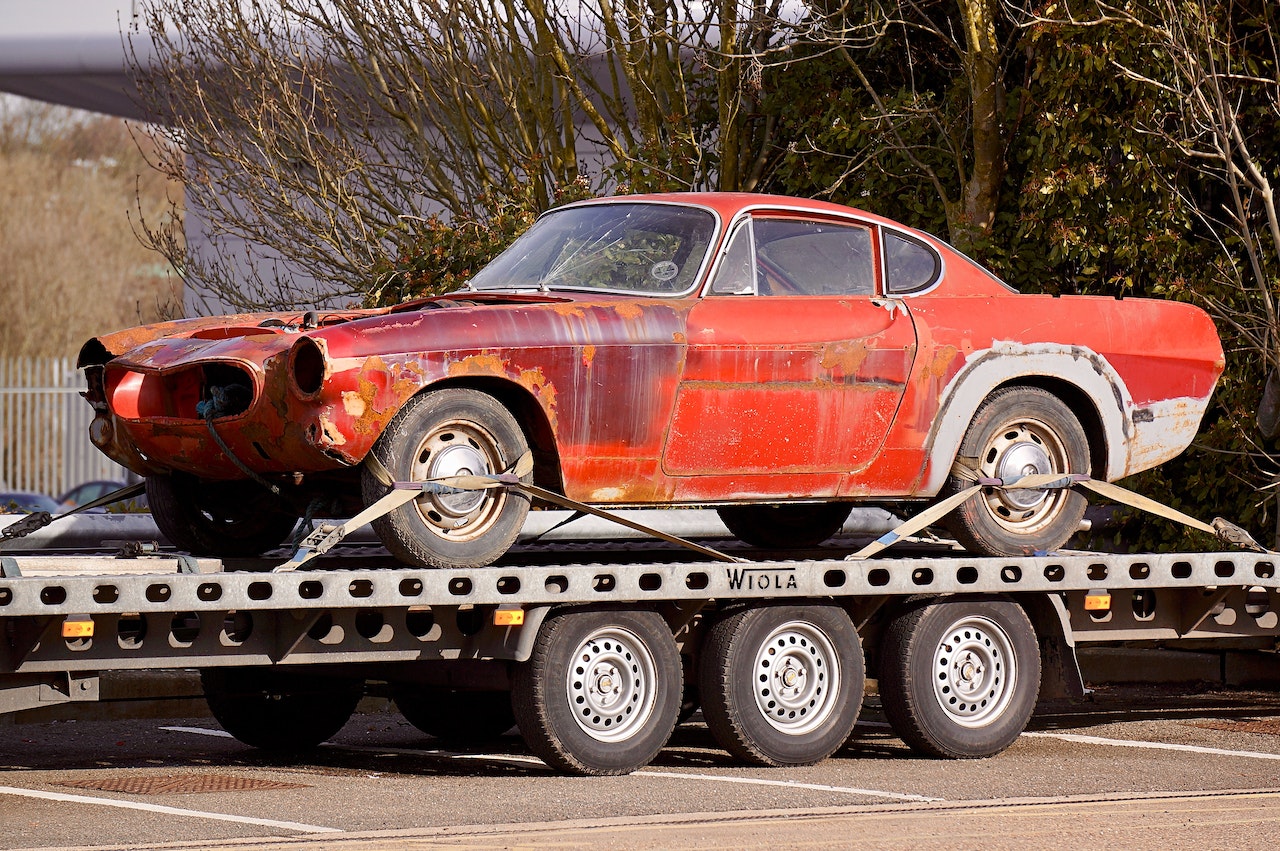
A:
x: 782, y: 685
x: 440, y: 433
x: 1016, y: 431
x: 228, y: 519
x: 457, y: 717
x: 600, y: 694
x: 781, y: 527
x: 279, y: 710
x: 959, y: 679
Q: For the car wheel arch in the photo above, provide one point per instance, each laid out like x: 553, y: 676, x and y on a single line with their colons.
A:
x: 529, y: 413
x: 1080, y: 378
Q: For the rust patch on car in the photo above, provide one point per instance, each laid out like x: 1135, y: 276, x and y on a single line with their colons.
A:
x: 939, y: 366
x: 569, y: 309
x: 482, y: 364
x: 588, y: 354
x: 627, y: 310
x: 354, y: 404
x: 332, y: 434
x: 847, y: 356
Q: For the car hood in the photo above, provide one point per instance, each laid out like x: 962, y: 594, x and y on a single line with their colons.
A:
x: 163, y: 344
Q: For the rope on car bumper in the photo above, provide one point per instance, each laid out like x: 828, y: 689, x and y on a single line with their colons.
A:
x: 1223, y: 530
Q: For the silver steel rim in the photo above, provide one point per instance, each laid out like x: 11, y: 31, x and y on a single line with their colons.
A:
x: 796, y: 678
x: 612, y: 684
x: 1024, y: 448
x: 974, y: 672
x: 458, y: 448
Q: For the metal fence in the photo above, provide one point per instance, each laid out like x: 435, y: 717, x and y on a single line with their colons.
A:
x: 44, y: 428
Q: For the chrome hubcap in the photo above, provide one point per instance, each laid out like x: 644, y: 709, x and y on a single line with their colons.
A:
x: 1024, y: 448
x: 458, y: 448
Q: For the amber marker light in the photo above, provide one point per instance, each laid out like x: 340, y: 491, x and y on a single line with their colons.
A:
x: 508, y: 617
x: 77, y: 626
x: 1097, y: 601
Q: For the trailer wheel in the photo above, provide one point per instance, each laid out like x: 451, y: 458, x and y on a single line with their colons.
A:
x: 229, y: 519
x: 454, y: 431
x: 782, y: 685
x: 279, y: 710
x: 1020, y: 431
x: 461, y: 717
x: 780, y: 527
x: 958, y: 679
x: 600, y: 692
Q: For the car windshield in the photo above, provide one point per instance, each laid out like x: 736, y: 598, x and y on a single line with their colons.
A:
x: 637, y: 248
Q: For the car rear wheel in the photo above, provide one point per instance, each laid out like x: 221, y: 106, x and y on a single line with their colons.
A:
x: 450, y: 432
x: 780, y: 527
x: 1020, y: 431
x: 225, y: 519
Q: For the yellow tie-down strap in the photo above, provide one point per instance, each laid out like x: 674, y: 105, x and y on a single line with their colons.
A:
x: 1223, y: 530
x: 323, y: 539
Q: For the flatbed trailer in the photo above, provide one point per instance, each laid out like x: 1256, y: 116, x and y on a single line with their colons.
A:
x: 596, y: 662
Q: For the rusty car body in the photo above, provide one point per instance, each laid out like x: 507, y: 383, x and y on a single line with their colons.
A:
x: 781, y: 359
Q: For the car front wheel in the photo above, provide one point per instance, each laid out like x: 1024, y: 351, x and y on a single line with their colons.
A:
x: 1020, y: 431
x: 224, y: 519
x: 450, y: 432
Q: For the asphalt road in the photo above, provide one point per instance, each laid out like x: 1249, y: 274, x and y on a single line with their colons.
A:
x: 1151, y: 768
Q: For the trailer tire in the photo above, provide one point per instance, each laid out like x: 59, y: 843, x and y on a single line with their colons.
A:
x: 458, y: 717
x: 782, y: 527
x: 959, y: 678
x: 279, y: 710
x: 601, y: 691
x: 782, y: 685
x: 455, y: 430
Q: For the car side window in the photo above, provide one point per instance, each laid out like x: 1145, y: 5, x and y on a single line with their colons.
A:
x: 908, y: 265
x: 798, y: 257
x: 734, y: 275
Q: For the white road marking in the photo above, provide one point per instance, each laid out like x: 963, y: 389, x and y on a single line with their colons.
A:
x: 792, y: 784
x: 200, y: 731
x: 159, y: 808
x: 1160, y: 746
x: 532, y: 760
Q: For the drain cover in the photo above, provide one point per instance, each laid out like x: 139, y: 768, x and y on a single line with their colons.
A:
x: 170, y: 784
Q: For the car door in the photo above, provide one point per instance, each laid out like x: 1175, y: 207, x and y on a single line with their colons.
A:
x: 795, y: 365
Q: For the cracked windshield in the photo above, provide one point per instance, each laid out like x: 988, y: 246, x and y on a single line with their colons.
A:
x: 648, y: 249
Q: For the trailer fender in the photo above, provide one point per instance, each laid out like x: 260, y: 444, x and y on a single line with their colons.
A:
x: 1059, y: 669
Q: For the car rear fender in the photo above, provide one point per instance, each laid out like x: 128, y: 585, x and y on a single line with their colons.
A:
x: 1043, y: 365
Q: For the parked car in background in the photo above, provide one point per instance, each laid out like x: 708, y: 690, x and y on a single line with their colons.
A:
x: 778, y: 358
x: 89, y: 491
x: 28, y: 502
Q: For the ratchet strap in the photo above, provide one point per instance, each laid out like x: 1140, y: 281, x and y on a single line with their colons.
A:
x: 39, y: 519
x: 328, y: 535
x: 1223, y: 530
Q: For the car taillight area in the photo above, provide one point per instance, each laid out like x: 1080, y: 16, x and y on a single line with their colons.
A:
x: 222, y: 389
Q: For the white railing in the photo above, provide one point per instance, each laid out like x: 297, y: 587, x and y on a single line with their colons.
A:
x: 44, y: 428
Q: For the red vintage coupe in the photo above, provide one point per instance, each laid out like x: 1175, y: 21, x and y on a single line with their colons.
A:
x: 780, y: 359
